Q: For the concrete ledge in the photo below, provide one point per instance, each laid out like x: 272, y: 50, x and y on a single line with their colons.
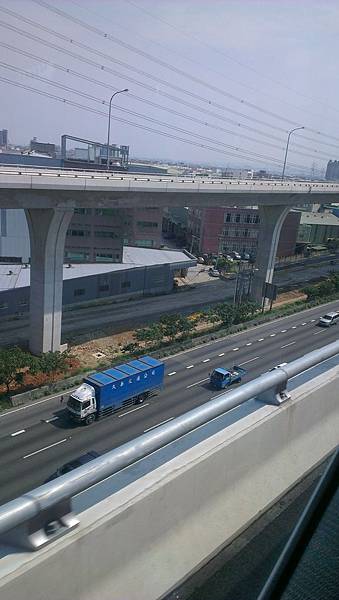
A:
x: 146, y: 539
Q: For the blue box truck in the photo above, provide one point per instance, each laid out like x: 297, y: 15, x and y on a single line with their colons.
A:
x: 105, y: 392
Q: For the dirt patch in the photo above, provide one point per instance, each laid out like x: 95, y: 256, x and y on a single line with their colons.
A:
x: 289, y: 298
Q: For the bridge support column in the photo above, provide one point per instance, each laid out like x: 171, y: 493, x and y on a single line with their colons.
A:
x: 271, y: 221
x: 47, y: 230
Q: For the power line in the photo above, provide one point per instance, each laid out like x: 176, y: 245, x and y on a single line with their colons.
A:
x: 156, y: 105
x: 224, y: 54
x: 133, y: 124
x: 151, y: 88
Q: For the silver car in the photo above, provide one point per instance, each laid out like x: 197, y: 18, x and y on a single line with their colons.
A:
x: 329, y: 319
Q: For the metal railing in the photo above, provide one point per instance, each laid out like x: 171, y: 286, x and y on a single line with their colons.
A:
x: 40, y: 516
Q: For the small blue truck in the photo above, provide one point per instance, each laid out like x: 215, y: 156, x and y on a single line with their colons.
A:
x: 221, y: 378
x: 103, y: 393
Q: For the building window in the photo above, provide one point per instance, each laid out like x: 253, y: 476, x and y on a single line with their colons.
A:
x: 106, y: 234
x: 82, y: 211
x: 74, y: 256
x: 106, y: 212
x: 256, y: 219
x: 79, y: 292
x: 104, y: 257
x: 144, y: 243
x: 126, y: 284
x: 24, y: 302
x: 78, y: 233
x: 227, y: 218
x: 3, y: 305
x: 147, y: 224
x: 237, y: 218
x: 104, y: 288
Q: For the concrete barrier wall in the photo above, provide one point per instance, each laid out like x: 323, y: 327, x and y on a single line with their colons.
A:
x: 146, y: 539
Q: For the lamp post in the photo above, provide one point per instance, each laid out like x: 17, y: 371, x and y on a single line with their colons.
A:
x: 109, y: 122
x: 286, y: 151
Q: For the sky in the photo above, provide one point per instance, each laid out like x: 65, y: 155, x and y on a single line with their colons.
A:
x: 219, y: 82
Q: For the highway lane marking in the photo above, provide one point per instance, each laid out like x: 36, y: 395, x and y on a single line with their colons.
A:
x: 133, y: 410
x: 11, y: 412
x: 222, y: 354
x: 272, y: 334
x: 190, y: 367
x: 290, y: 344
x: 45, y: 448
x: 158, y: 424
x: 206, y: 360
x: 249, y: 344
x: 322, y: 331
x: 50, y: 420
x: 248, y: 361
x: 197, y: 383
x: 283, y: 331
x: 294, y: 327
x: 261, y: 339
x: 18, y: 432
x: 313, y: 320
x: 235, y: 349
x: 170, y: 374
x: 303, y: 323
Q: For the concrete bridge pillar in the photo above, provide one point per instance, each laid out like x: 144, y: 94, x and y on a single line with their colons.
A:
x: 271, y: 220
x: 47, y: 230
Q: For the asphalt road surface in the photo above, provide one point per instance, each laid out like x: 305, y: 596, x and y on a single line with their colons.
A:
x: 93, y: 321
x: 36, y: 439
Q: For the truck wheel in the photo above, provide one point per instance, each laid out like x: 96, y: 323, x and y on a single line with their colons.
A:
x: 140, y: 399
x: 89, y: 419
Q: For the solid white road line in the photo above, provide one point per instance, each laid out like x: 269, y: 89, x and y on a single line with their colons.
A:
x: 248, y: 361
x: 222, y: 354
x: 321, y: 331
x: 206, y: 360
x: 170, y: 374
x: 18, y: 432
x: 285, y: 345
x: 197, y: 383
x: 133, y: 410
x: 11, y: 412
x: 45, y: 448
x: 190, y: 367
x: 158, y: 424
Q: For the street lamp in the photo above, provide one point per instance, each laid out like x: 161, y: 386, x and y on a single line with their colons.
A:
x: 109, y: 122
x: 288, y: 142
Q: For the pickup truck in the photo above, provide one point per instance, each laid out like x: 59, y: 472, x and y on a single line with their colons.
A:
x: 221, y: 378
x: 101, y: 394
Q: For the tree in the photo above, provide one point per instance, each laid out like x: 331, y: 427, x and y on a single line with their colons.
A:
x: 150, y: 335
x: 12, y: 362
x: 53, y: 362
x: 169, y: 325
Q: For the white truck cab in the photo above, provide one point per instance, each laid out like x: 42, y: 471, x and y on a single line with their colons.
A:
x: 82, y: 404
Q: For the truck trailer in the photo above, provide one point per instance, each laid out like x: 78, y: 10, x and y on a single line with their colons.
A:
x: 102, y: 393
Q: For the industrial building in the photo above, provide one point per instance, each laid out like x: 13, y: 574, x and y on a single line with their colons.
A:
x: 143, y: 272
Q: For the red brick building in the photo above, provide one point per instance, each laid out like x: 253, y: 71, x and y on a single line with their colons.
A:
x: 214, y: 230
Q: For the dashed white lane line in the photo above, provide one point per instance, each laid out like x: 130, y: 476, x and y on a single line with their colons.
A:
x: 261, y: 339
x: 170, y: 374
x: 248, y: 361
x: 313, y: 320
x: 52, y: 419
x: 190, y: 367
x: 294, y: 327
x: 304, y: 323
x: 321, y: 331
x: 45, y: 448
x: 18, y: 432
x: 197, y: 383
x: 158, y: 424
x: 272, y: 334
x: 249, y: 344
x: 283, y: 331
x: 133, y: 410
x: 206, y: 360
x: 285, y: 345
x: 235, y: 349
x: 222, y: 354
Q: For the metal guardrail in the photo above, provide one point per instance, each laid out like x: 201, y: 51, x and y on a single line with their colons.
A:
x: 42, y: 515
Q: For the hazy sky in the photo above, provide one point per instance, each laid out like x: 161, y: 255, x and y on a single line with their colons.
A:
x: 234, y: 76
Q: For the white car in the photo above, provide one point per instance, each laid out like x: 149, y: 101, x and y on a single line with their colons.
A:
x: 329, y: 319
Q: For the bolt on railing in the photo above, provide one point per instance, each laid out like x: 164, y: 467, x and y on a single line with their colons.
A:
x: 41, y: 515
